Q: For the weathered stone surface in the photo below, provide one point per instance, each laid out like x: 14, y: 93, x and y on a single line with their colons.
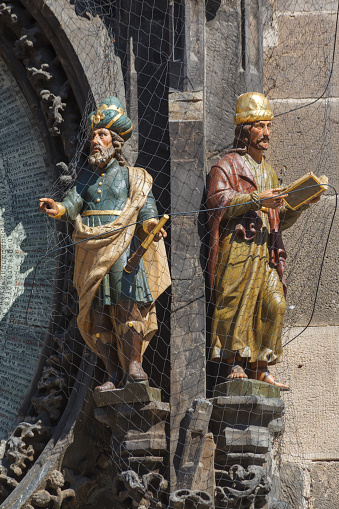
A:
x: 199, y: 415
x: 293, y: 153
x: 305, y: 6
x: 134, y: 392
x: 306, y: 78
x: 185, y: 499
x: 312, y: 407
x: 186, y: 105
x: 325, y: 484
x: 187, y: 248
x: 186, y: 130
x: 250, y: 410
x: 293, y: 145
x: 139, y: 438
x: 205, y: 478
x: 233, y: 66
x: 55, y: 482
x: 138, y: 443
x: 187, y: 352
x: 224, y: 74
x: 187, y: 348
x: 292, y: 485
x: 276, y: 426
x: 22, y: 446
x: 187, y: 171
x: 192, y: 445
x: 272, y: 466
x: 254, y: 439
x: 244, y: 459
x: 245, y: 471
x: 139, y: 416
x: 144, y: 464
x: 89, y: 59
x: 246, y: 387
x: 278, y: 504
x: 130, y: 488
x: 240, y: 487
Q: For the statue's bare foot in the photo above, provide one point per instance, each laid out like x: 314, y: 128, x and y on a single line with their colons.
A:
x: 263, y: 375
x: 110, y: 385
x: 135, y: 374
x: 107, y: 386
x: 236, y: 372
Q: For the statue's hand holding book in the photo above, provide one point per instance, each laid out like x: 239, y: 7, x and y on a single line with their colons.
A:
x: 305, y: 190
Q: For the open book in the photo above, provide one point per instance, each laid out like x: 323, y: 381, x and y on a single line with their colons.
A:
x: 304, y: 189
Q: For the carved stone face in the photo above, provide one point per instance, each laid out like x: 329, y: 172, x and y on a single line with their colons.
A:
x: 101, y: 146
x: 260, y: 134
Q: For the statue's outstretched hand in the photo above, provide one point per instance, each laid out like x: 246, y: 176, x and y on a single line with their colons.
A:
x: 48, y: 206
x: 272, y: 198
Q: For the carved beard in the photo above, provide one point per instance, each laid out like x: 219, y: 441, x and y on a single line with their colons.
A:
x: 103, y: 156
x: 257, y: 144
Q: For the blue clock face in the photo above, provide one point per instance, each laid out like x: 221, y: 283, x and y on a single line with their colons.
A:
x: 25, y: 235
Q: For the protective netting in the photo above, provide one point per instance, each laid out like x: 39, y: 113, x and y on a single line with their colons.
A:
x: 284, y: 49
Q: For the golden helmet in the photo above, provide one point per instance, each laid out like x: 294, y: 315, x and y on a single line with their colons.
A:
x: 252, y: 106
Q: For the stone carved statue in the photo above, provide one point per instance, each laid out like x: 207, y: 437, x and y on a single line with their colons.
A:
x: 247, y: 256
x: 117, y: 316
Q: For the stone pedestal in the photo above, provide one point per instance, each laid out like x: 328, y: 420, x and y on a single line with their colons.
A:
x: 245, y: 387
x: 137, y: 419
x: 137, y: 392
x: 241, y: 415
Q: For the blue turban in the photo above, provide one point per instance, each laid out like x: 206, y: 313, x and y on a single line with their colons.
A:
x: 112, y: 116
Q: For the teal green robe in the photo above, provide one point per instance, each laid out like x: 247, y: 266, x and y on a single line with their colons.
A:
x: 110, y: 185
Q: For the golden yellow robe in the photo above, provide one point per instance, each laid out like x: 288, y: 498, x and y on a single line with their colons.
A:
x: 249, y: 296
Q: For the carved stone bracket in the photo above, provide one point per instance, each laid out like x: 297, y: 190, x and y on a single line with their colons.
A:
x: 238, y: 487
x: 138, y: 439
x: 148, y: 491
x: 6, y: 10
x: 42, y: 481
x: 19, y: 452
x: 138, y: 444
x: 240, y: 425
x: 52, y: 493
x: 186, y: 499
x: 21, y: 449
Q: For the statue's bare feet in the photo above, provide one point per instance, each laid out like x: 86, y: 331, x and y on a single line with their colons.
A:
x: 135, y: 373
x: 107, y: 386
x: 236, y: 372
x: 263, y: 375
x: 110, y: 385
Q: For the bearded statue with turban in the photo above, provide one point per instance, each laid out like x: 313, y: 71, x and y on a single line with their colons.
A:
x: 247, y: 256
x: 113, y: 209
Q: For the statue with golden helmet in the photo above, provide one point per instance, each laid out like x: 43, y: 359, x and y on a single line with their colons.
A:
x: 247, y: 256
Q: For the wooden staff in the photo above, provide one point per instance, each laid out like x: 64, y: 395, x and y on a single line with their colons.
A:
x: 136, y: 257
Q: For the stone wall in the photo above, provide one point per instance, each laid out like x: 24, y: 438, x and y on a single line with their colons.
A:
x: 299, y: 46
x: 298, y: 39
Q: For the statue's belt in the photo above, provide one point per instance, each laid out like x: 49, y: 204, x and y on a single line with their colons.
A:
x: 101, y: 213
